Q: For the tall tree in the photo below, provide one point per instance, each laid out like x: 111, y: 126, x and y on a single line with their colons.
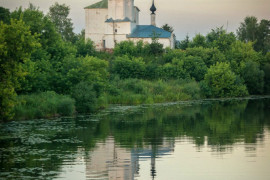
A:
x: 259, y: 33
x: 16, y: 46
x: 184, y: 44
x: 220, y: 39
x: 248, y: 29
x: 59, y: 15
x: 168, y: 28
x: 4, y: 15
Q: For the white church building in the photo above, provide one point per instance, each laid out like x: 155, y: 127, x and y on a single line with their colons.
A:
x: 111, y: 21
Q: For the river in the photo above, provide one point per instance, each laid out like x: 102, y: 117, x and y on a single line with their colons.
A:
x: 206, y: 139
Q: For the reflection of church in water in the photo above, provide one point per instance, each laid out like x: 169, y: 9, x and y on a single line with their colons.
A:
x: 109, y: 161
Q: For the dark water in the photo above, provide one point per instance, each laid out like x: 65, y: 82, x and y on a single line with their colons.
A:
x: 212, y: 139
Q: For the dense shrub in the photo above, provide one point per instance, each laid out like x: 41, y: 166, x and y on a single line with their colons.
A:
x: 220, y: 81
x: 195, y: 67
x: 173, y: 53
x: 127, y: 67
x: 85, y: 96
x: 254, y: 77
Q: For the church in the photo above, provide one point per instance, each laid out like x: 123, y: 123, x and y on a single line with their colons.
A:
x: 111, y: 21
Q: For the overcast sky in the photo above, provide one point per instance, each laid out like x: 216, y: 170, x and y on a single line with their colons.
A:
x: 186, y: 16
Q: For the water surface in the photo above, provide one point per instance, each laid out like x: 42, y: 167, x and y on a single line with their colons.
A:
x: 211, y: 139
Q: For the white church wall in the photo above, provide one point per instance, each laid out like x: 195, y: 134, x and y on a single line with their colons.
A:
x: 129, y: 4
x: 111, y: 39
x: 95, y: 25
x: 118, y: 28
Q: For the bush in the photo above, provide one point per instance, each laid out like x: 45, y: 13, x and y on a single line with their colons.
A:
x: 222, y: 82
x: 173, y: 53
x: 195, y: 66
x: 85, y: 96
x: 66, y: 106
x: 254, y: 77
x: 126, y: 67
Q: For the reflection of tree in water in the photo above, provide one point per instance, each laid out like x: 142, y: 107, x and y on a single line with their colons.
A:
x: 38, y: 148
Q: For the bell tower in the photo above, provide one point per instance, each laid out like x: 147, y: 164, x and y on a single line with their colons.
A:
x: 120, y: 9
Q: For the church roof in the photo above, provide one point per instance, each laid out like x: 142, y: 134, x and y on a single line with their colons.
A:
x: 102, y: 4
x: 146, y: 31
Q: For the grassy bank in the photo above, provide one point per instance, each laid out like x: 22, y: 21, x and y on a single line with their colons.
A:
x: 125, y: 92
x: 43, y: 105
x: 137, y: 91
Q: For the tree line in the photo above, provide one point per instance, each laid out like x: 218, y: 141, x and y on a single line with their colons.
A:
x: 40, y: 53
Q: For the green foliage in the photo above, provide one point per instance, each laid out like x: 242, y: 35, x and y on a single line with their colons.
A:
x: 41, y: 53
x: 4, y: 15
x: 126, y: 48
x: 155, y: 48
x: 220, y: 81
x: 220, y: 39
x: 168, y: 28
x: 16, y: 46
x: 135, y: 91
x: 85, y: 47
x: 173, y: 53
x: 254, y: 77
x: 241, y: 53
x: 174, y: 70
x: 184, y: 44
x: 252, y: 30
x: 198, y: 41
x: 195, y: 67
x: 59, y: 15
x: 209, y: 56
x: 126, y: 67
x: 266, y: 69
x: 88, y: 69
x: 85, y: 96
x: 45, y: 104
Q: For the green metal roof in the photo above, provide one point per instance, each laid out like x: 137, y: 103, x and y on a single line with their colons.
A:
x: 102, y: 4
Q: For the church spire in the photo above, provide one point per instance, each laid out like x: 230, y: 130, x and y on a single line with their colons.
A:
x: 153, y: 8
x: 153, y: 15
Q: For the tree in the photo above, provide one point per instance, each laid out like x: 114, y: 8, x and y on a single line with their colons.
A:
x: 155, y: 48
x: 184, y: 44
x: 44, y: 72
x: 240, y: 53
x: 254, y: 77
x: 87, y: 69
x: 4, y: 15
x: 220, y: 39
x: 59, y: 15
x: 259, y: 33
x: 248, y: 29
x: 168, y: 28
x: 16, y: 46
x: 263, y: 37
x: 198, y: 41
x: 127, y: 67
x: 195, y: 66
x: 220, y: 81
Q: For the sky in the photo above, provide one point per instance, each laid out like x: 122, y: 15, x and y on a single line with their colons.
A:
x: 187, y: 17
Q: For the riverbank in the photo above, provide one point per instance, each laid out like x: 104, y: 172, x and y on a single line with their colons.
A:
x: 121, y: 92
